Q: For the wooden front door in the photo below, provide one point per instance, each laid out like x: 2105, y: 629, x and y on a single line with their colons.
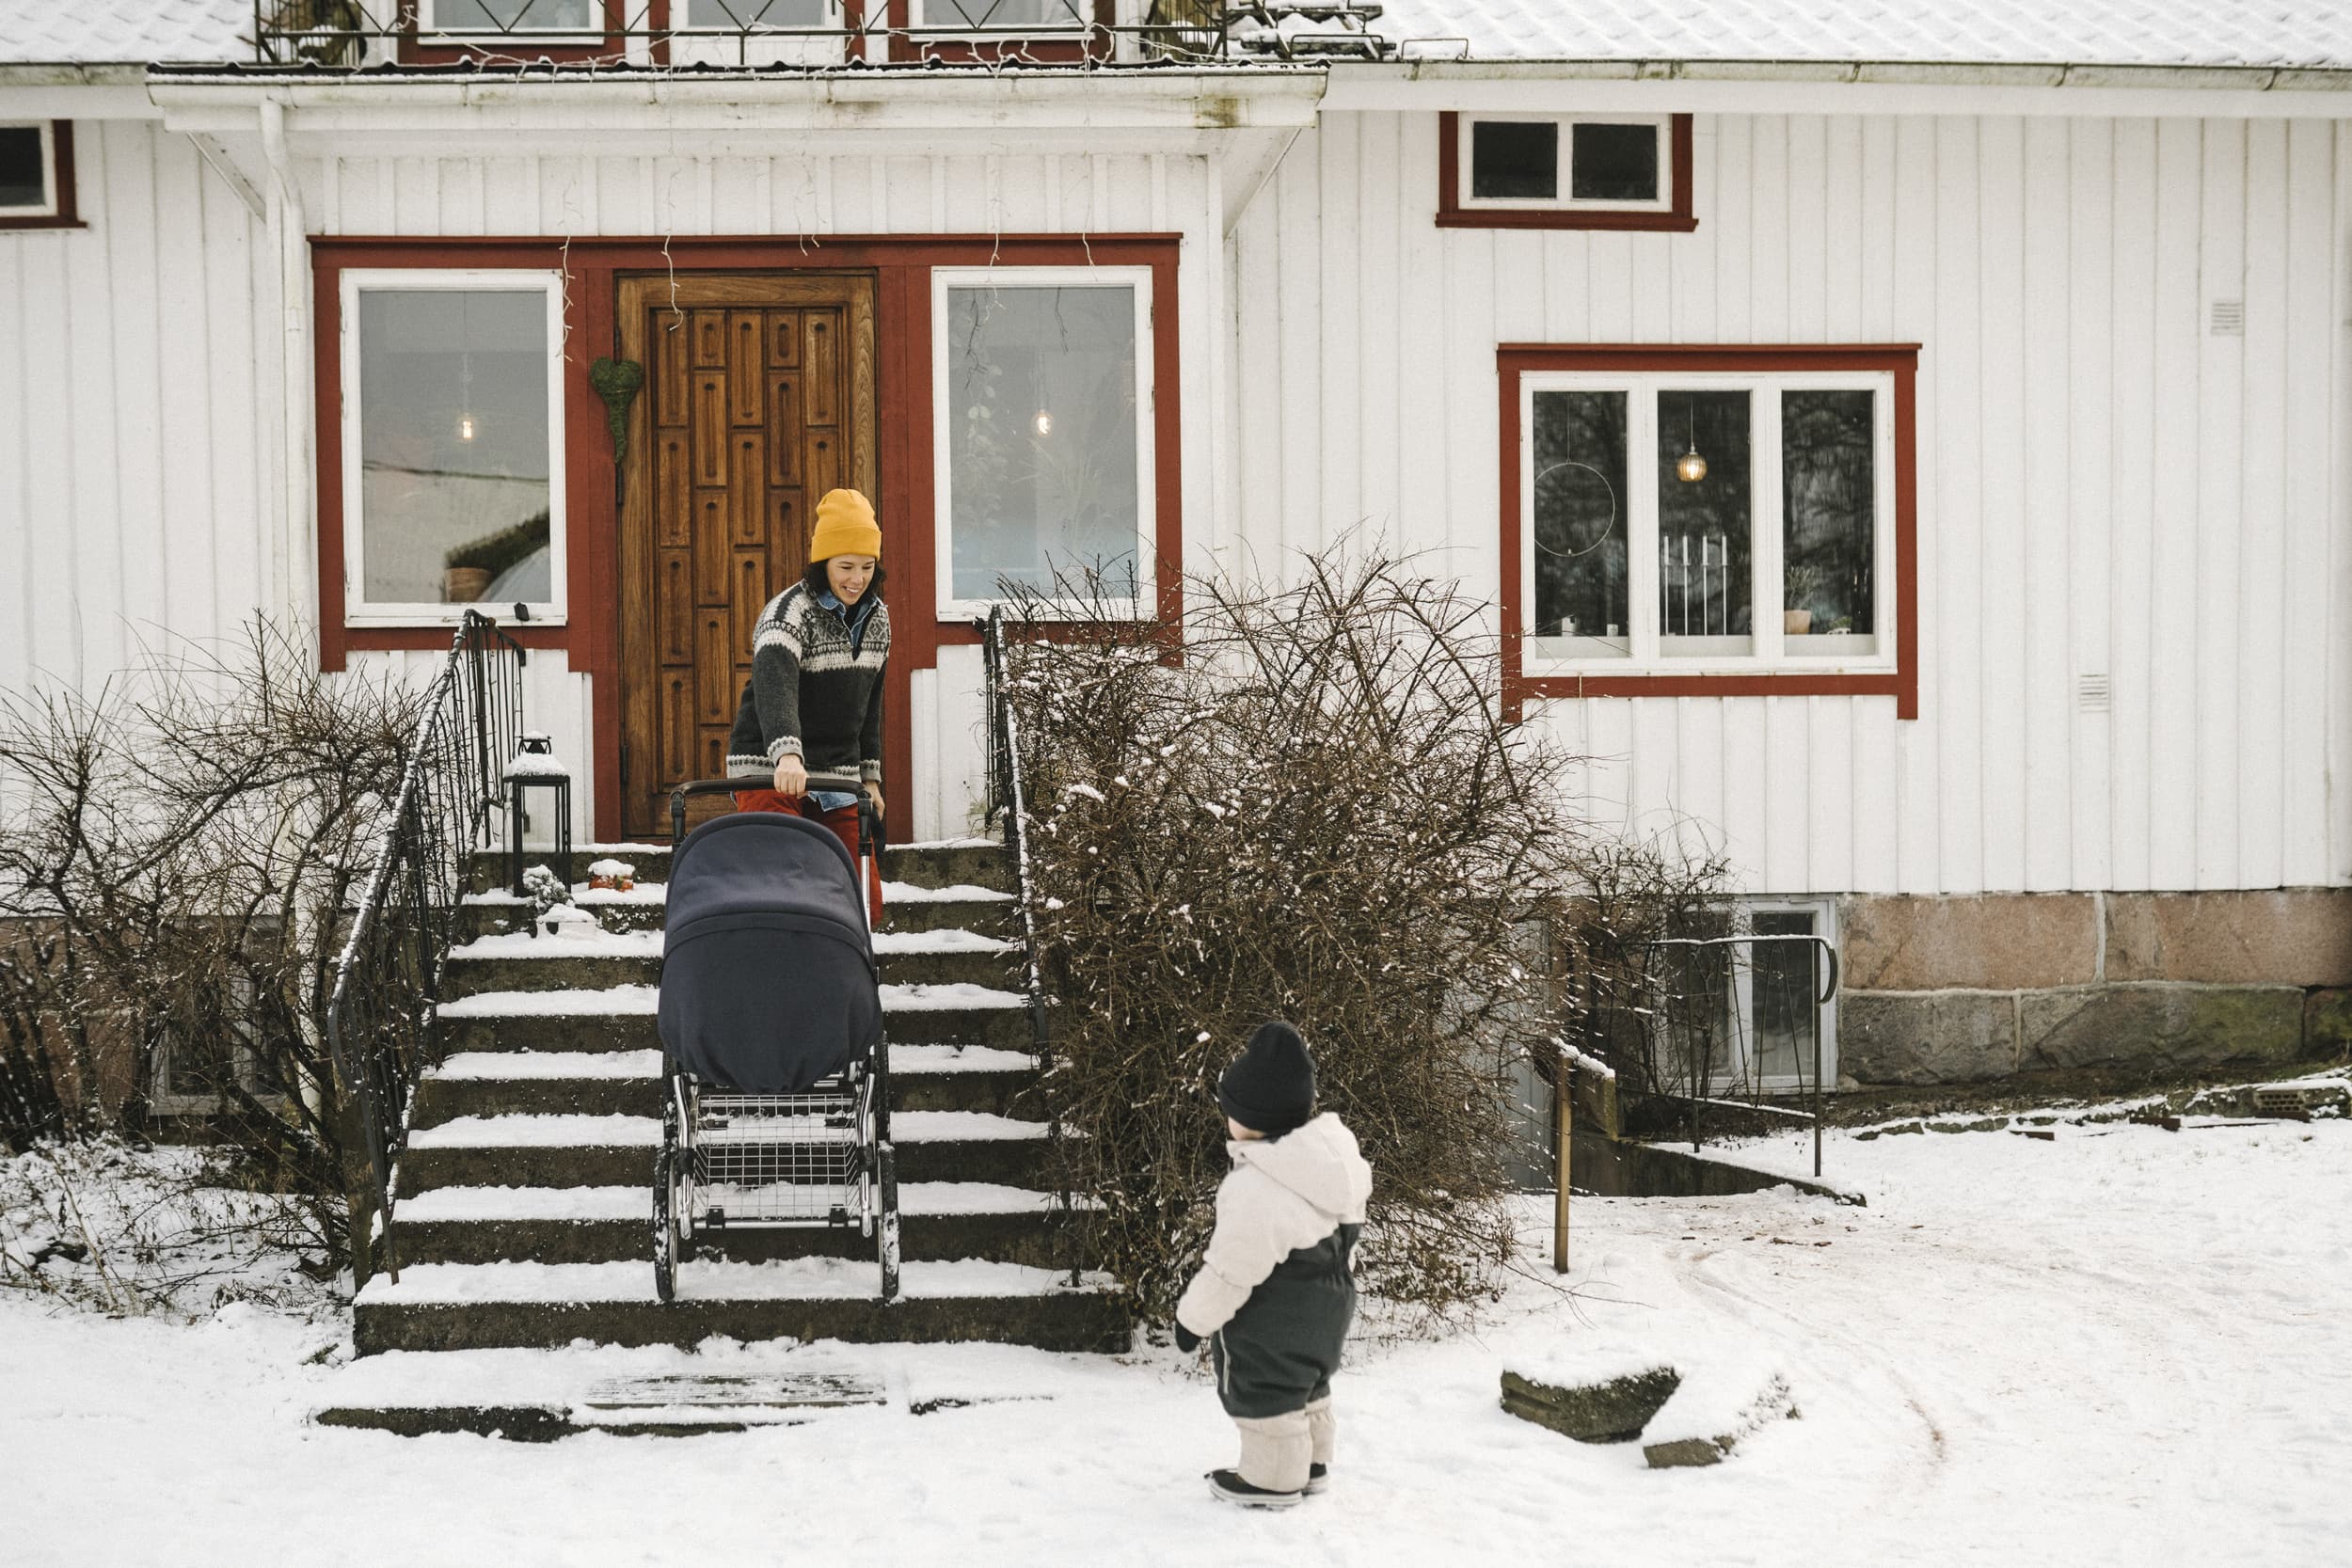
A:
x: 759, y: 398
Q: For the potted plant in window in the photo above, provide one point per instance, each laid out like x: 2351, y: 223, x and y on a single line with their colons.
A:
x: 468, y: 571
x: 1798, y: 585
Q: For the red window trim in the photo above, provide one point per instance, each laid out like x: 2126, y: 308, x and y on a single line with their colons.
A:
x: 901, y: 266
x: 60, y: 180
x: 1901, y: 361
x: 1680, y: 219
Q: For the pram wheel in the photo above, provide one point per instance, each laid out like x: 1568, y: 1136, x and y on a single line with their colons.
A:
x: 665, y: 1224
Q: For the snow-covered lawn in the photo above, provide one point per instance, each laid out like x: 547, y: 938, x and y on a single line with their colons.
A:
x: 2120, y: 1346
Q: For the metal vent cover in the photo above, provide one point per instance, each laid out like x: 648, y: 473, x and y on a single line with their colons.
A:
x: 2094, y: 693
x: 2229, y: 318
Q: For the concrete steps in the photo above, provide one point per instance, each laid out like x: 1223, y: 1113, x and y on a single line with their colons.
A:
x: 524, y: 1197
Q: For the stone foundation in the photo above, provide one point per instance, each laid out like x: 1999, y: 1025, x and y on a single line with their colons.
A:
x: 1946, y: 990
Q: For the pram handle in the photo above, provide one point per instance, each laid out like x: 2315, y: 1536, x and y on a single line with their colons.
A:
x: 869, y: 824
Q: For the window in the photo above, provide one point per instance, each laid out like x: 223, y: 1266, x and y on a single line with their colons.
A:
x: 758, y: 15
x: 1029, y: 16
x: 1746, y: 995
x: 1697, y: 520
x: 1042, y: 410
x: 535, y: 17
x: 453, y: 441
x: 1565, y: 171
x: 36, y: 175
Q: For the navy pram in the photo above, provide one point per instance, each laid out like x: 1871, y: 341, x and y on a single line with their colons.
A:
x: 771, y: 1032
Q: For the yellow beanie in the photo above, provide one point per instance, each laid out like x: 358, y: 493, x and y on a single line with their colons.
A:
x: 845, y: 526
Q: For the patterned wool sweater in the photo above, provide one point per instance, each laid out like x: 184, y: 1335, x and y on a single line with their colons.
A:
x: 811, y: 694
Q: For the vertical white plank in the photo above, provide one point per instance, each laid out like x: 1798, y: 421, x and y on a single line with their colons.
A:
x: 1698, y: 749
x: 1422, y: 327
x: 183, y: 371
x: 1609, y: 753
x: 234, y: 290
x: 1340, y: 331
x: 2042, y: 584
x: 1747, y: 762
x: 1298, y: 328
x: 1786, y: 780
x: 1609, y: 284
x: 966, y: 190
x: 1472, y: 495
x: 1876, y: 786
x: 2315, y: 425
x: 1827, y: 725
x: 1955, y: 618
x: 2338, y: 639
x: 1380, y: 459
x: 739, y: 197
x: 2212, y: 612
x: 853, y: 211
x: 2000, y: 626
x: 510, y: 193
x: 86, y: 380
x: 2092, y: 324
x: 17, y: 647
x: 2178, y: 457
x: 136, y: 407
x: 1734, y: 232
x: 2264, y: 458
x: 1768, y: 217
x: 1913, y: 288
x: 2133, y: 482
x: 1808, y: 237
x: 1845, y: 235
x: 1257, y: 370
x: 1651, y: 319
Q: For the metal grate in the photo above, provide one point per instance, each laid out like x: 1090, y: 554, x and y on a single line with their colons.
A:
x: 2229, y: 318
x: 2094, y: 693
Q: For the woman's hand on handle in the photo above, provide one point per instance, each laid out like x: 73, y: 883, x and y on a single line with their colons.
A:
x: 873, y: 793
x: 791, y: 777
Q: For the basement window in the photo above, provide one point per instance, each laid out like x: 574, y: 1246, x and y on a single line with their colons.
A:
x: 36, y: 175
x: 1740, y: 1010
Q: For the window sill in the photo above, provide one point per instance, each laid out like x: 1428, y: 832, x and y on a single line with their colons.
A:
x: 44, y: 221
x: 1774, y: 683
x: 1567, y: 217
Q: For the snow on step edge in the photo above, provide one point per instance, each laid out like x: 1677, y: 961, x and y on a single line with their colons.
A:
x: 796, y: 1280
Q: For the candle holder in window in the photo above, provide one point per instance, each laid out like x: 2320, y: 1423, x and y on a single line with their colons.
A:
x: 536, y: 767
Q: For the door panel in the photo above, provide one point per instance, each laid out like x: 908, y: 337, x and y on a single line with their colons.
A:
x: 760, y: 398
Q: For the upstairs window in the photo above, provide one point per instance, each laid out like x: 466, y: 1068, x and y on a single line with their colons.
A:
x: 476, y: 19
x: 36, y: 175
x: 1565, y: 171
x: 1013, y: 16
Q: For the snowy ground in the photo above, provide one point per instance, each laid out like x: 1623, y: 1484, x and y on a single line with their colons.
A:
x: 2121, y: 1346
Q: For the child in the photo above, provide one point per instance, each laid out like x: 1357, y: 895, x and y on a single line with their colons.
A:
x: 1275, y: 1295
x: 811, y: 717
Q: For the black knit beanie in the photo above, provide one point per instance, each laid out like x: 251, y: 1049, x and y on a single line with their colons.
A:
x: 1270, y: 1088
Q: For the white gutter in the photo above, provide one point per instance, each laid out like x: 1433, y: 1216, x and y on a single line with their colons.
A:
x: 291, y: 551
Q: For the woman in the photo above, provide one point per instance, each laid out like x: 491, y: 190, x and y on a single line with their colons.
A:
x: 809, y: 727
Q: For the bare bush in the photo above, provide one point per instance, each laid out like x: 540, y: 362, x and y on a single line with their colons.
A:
x: 1317, y: 813
x: 177, y: 852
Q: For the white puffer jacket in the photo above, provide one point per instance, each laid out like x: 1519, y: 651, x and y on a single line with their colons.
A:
x: 1281, y: 1195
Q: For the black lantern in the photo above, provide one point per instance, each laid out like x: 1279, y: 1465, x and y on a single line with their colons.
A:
x: 536, y: 767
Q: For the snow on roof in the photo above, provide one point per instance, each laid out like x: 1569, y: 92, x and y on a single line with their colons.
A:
x: 2261, y: 33
x: 2306, y: 33
x: 107, y: 32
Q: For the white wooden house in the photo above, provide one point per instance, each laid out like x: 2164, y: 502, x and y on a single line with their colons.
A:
x: 1913, y: 451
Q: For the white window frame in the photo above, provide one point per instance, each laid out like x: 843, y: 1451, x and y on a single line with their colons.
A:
x: 358, y: 610
x: 48, y: 207
x: 830, y: 23
x: 1769, y: 650
x: 1824, y: 913
x: 428, y: 25
x: 1466, y: 175
x: 1138, y: 280
x: 950, y: 21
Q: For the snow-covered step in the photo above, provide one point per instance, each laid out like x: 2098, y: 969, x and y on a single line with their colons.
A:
x: 947, y: 863
x: 489, y: 869
x: 517, y: 961
x: 594, y: 1225
x: 586, y: 1150
x: 449, y: 1307
x: 497, y: 1082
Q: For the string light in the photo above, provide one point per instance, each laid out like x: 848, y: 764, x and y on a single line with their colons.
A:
x: 1043, y: 422
x: 1691, y: 466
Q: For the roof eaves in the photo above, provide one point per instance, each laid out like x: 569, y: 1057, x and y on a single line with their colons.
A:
x: 1999, y: 74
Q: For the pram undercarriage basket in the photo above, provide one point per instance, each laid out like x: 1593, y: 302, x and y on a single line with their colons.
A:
x: 776, y: 1110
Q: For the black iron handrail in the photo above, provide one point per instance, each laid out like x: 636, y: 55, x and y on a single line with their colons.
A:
x: 1006, y: 794
x: 382, y: 1016
x: 1825, y: 978
x: 353, y: 33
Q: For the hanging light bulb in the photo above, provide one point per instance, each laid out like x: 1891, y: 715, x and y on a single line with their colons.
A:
x: 467, y: 427
x: 1691, y: 466
x: 1043, y: 422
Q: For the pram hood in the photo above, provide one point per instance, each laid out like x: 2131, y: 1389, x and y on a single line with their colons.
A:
x: 767, y: 976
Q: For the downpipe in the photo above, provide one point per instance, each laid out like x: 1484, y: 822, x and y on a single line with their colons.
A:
x: 290, y: 232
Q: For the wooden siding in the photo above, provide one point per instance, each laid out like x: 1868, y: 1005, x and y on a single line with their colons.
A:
x: 2105, y: 486
x: 138, y: 375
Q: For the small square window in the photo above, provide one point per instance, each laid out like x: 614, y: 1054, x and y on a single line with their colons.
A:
x: 27, y: 162
x: 1613, y: 162
x: 1514, y: 160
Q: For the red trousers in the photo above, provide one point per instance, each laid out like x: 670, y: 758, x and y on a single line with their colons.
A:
x: 843, y: 822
